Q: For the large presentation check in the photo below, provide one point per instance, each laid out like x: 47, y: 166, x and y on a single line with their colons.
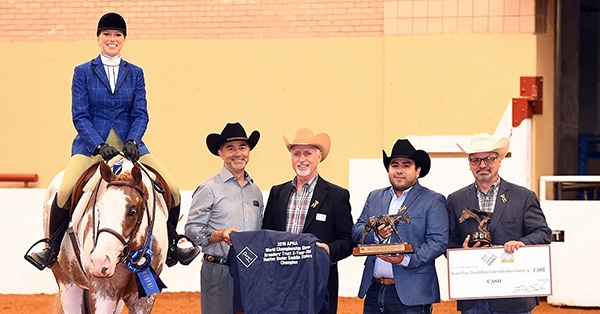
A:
x: 486, y: 273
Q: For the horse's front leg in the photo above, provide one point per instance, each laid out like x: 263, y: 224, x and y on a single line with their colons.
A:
x: 71, y: 298
x: 103, y: 299
x: 71, y: 295
x: 142, y: 305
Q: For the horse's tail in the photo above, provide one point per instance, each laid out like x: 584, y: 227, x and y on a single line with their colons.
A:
x: 56, y: 306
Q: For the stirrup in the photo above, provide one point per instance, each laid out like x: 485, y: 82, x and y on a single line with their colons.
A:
x: 193, y: 252
x: 174, y: 255
x: 35, y: 263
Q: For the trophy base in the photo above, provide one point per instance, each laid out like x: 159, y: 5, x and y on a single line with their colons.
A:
x: 376, y: 249
x: 480, y: 237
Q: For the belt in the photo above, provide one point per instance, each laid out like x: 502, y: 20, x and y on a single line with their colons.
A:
x: 384, y: 281
x: 216, y: 259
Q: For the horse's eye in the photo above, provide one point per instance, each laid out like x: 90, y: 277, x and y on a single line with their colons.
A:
x: 132, y: 212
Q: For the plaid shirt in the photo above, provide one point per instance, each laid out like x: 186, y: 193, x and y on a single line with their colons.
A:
x: 487, y: 201
x: 298, y: 205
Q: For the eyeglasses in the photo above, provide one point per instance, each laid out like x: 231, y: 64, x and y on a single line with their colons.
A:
x: 477, y: 161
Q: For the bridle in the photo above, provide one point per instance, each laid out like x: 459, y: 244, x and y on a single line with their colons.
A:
x: 125, y: 255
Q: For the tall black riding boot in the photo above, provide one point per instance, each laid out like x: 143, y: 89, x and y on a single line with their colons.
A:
x: 176, y: 254
x: 59, y: 221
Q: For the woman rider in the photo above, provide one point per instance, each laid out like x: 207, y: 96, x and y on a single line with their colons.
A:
x: 109, y: 114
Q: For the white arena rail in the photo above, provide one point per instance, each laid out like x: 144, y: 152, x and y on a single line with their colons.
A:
x: 575, y: 271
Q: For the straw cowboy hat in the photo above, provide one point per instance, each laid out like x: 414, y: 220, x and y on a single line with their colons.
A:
x: 231, y: 132
x: 305, y: 136
x: 404, y: 149
x: 483, y: 142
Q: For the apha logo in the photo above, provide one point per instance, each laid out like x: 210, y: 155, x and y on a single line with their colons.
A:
x: 508, y: 258
x: 247, y: 257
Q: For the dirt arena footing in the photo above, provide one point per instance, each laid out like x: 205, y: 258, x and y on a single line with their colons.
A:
x: 189, y: 303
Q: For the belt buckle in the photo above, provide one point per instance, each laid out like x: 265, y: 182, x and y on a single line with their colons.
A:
x: 385, y: 281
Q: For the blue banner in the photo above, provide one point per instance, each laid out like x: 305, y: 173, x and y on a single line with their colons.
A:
x: 148, y: 282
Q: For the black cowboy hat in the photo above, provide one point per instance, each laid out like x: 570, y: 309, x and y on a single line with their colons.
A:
x: 403, y: 148
x: 231, y: 132
x: 112, y: 21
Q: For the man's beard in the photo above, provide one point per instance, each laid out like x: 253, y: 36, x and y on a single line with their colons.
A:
x: 236, y: 165
x: 484, y: 177
x: 304, y: 172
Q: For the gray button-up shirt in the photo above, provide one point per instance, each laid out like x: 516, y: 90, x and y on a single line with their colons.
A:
x: 221, y: 203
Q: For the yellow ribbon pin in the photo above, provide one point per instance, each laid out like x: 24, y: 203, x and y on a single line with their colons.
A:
x: 503, y: 197
x: 314, y: 204
x: 401, y: 208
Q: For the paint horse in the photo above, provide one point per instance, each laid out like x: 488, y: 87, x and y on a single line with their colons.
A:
x: 374, y: 222
x: 116, y: 215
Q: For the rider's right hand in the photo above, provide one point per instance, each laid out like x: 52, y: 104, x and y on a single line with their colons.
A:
x: 106, y: 151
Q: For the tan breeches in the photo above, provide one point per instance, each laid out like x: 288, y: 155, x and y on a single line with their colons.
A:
x: 78, y: 163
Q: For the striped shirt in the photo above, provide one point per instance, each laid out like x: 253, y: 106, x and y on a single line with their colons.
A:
x: 487, y: 202
x: 298, y: 205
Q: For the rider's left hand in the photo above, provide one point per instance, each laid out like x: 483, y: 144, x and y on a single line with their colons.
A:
x: 130, y: 150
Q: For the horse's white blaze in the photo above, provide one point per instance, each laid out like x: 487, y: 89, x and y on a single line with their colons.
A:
x: 111, y: 209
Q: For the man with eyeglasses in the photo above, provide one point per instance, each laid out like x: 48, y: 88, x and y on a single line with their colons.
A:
x: 517, y: 219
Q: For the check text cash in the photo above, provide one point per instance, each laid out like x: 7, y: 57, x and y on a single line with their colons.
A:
x: 491, y: 273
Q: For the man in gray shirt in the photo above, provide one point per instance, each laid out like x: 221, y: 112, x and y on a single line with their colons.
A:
x: 229, y: 201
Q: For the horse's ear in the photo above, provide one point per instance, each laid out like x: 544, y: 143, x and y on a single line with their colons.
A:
x: 136, y: 173
x: 105, y: 172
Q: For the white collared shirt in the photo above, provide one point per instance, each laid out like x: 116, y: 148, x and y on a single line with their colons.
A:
x: 111, y: 67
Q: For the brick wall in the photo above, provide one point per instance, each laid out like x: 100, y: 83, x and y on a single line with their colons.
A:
x: 411, y: 17
x: 26, y: 20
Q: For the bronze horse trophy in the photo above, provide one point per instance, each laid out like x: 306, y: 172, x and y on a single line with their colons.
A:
x: 384, y: 247
x: 482, y: 235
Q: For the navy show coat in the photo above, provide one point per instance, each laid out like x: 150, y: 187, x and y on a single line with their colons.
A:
x: 96, y: 109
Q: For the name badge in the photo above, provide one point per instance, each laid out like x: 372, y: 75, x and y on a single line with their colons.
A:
x: 321, y: 217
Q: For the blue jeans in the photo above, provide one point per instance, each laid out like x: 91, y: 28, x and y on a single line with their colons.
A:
x: 481, y: 307
x: 384, y: 299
